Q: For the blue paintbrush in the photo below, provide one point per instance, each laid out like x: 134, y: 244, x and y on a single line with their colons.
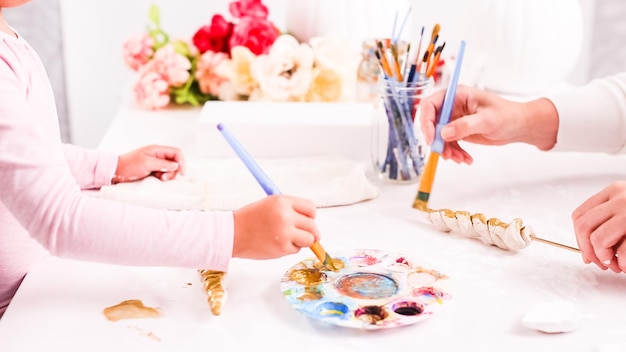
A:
x: 428, y: 176
x: 269, y: 187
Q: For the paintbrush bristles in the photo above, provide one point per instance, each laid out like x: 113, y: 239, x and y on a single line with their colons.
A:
x: 432, y: 54
x: 382, y: 58
x: 390, y: 63
x: 324, y: 258
x: 433, y: 65
x: 435, y: 32
x: 396, y: 62
x: 426, y: 182
x: 419, y: 47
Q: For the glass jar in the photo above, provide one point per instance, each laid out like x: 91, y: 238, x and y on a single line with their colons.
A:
x: 369, y: 72
x: 398, y: 148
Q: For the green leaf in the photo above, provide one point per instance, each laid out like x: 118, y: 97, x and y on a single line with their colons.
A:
x: 154, y: 15
x: 190, y: 94
x: 160, y: 38
x: 181, y: 47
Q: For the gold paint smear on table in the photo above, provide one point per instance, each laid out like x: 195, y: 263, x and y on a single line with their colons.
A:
x: 148, y: 334
x: 130, y: 309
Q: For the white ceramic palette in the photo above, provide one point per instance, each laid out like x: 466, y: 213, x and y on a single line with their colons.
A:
x: 374, y: 290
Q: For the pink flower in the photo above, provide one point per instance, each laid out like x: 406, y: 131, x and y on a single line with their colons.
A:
x: 138, y: 50
x: 172, y: 66
x: 151, y: 90
x: 207, y: 72
x: 213, y: 37
x: 256, y: 34
x: 248, y: 8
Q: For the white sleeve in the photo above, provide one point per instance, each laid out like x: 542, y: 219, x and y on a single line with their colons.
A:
x: 592, y: 118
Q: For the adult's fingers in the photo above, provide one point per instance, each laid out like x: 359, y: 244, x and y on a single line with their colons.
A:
x: 591, y: 202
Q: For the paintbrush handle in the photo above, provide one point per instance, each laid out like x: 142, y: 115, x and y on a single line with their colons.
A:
x: 426, y: 182
x: 319, y: 251
x: 555, y: 244
x: 261, y: 177
x: 268, y: 186
x: 448, y: 101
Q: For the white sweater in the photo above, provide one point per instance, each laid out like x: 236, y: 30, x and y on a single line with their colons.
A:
x: 592, y: 118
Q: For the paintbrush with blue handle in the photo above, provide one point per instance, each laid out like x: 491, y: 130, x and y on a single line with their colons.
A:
x: 269, y: 187
x: 436, y: 148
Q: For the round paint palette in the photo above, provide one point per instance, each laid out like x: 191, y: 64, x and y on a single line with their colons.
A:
x: 373, y: 290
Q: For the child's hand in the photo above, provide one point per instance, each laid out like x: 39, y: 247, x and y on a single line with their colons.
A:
x: 273, y: 227
x: 600, y: 225
x: 161, y: 161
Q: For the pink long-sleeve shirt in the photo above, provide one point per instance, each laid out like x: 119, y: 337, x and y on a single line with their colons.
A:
x: 42, y: 208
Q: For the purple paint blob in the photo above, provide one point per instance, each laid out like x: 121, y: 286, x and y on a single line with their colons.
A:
x: 408, y: 308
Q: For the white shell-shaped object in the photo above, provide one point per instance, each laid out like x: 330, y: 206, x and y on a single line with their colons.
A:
x: 436, y: 218
x: 553, y: 317
x: 512, y: 236
x: 497, y: 230
x: 479, y: 222
x: 449, y: 218
x: 464, y: 220
x: 517, y: 235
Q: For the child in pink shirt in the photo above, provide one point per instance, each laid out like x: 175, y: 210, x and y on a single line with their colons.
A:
x: 42, y: 209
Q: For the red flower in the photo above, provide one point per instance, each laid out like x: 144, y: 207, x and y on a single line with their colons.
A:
x: 215, y: 36
x: 248, y: 8
x: 256, y: 34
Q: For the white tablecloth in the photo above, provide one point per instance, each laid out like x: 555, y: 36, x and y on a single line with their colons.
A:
x: 59, y: 305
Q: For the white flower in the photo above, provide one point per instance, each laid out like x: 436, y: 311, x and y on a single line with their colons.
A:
x: 337, y: 54
x: 237, y: 70
x: 228, y: 92
x: 326, y: 86
x: 285, y: 72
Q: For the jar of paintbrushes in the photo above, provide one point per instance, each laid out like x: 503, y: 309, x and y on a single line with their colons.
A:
x: 398, y: 148
x: 369, y: 71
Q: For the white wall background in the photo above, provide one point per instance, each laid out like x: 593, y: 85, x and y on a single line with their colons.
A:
x: 93, y: 33
x: 45, y: 36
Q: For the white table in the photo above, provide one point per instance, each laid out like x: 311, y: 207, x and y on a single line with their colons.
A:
x: 59, y: 305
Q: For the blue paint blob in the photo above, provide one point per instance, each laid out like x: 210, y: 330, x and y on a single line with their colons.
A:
x: 331, y: 309
x: 367, y: 286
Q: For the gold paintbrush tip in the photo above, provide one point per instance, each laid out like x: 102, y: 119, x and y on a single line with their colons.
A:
x: 420, y: 204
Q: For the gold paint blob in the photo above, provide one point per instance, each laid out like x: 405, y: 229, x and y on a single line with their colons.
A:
x: 307, y: 276
x: 311, y: 293
x: 335, y: 264
x: 130, y: 309
x: 212, y: 283
x: 434, y: 273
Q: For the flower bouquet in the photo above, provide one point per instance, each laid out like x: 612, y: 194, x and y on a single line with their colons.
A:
x: 244, y: 58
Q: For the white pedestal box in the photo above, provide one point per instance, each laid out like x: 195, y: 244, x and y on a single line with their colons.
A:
x: 276, y: 130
